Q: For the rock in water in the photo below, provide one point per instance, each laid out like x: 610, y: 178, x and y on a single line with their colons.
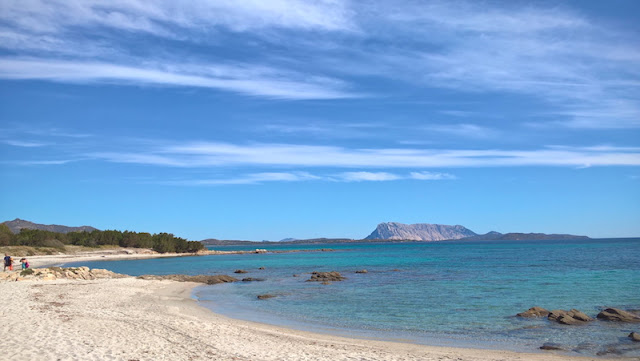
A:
x: 571, y: 317
x: 264, y: 297
x: 551, y: 346
x: 325, y: 277
x: 617, y: 315
x: 634, y: 336
x: 534, y: 312
x: 419, y: 232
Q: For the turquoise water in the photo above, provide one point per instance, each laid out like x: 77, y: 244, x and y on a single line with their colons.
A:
x: 442, y: 293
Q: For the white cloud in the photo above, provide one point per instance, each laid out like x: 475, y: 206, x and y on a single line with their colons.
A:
x: 246, y: 80
x: 367, y: 176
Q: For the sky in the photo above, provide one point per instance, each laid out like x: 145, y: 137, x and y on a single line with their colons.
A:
x: 263, y: 120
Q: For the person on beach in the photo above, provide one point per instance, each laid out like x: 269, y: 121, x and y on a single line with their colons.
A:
x: 8, y: 262
x: 25, y: 263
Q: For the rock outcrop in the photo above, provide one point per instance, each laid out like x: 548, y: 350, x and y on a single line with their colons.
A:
x: 534, y: 312
x: 325, y: 277
x: 571, y: 317
x: 419, y: 232
x: 54, y: 273
x: 617, y: 315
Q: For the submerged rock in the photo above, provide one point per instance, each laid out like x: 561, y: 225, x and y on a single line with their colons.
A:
x: 325, y: 277
x: 251, y: 279
x: 549, y: 346
x: 266, y: 296
x: 534, y: 312
x: 617, y: 315
x: 362, y: 271
x: 240, y: 271
x: 208, y: 279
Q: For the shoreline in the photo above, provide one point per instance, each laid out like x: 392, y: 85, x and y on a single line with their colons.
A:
x: 119, y: 254
x: 133, y: 319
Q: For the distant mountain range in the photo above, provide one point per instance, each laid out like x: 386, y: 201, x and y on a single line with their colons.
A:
x: 384, y: 232
x: 441, y: 232
x: 17, y: 224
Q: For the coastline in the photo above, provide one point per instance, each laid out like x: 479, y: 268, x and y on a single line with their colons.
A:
x: 119, y: 254
x: 134, y: 319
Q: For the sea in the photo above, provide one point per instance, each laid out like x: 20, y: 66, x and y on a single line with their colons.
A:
x: 453, y: 293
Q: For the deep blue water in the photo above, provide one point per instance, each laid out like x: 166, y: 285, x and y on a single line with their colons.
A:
x: 441, y: 293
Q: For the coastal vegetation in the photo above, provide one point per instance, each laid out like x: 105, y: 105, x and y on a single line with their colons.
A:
x: 159, y: 242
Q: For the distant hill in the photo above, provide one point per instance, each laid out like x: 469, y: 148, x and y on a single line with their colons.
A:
x: 17, y: 224
x: 419, y: 232
x: 226, y: 242
x: 497, y: 236
x: 221, y: 242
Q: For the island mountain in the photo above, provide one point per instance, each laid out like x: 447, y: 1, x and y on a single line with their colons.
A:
x: 419, y: 232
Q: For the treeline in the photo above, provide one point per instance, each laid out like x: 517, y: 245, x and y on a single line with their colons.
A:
x: 160, y: 242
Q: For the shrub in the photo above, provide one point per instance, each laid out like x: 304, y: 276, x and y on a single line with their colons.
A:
x: 26, y: 272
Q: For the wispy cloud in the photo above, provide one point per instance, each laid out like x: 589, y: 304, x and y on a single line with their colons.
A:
x: 432, y: 176
x: 367, y: 176
x: 267, y: 177
x: 21, y: 143
x: 167, y: 18
x: 586, y: 72
x: 253, y: 178
x: 464, y: 130
x: 202, y: 155
x: 253, y: 81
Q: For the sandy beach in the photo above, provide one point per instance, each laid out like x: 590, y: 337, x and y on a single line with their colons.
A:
x: 133, y: 319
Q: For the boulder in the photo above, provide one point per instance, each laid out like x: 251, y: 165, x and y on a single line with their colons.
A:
x: 240, y: 271
x: 534, y: 312
x: 634, y: 336
x: 266, y: 296
x: 251, y: 279
x: 617, y: 315
x: 325, y: 277
x: 362, y: 271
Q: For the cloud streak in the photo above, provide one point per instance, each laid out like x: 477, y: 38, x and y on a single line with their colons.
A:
x: 203, y: 155
x: 251, y: 81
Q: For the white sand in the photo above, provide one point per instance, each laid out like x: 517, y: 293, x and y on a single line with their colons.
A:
x: 131, y: 319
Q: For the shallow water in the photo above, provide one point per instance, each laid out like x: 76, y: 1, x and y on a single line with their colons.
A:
x: 442, y: 293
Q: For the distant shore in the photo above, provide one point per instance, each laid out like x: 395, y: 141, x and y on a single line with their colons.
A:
x: 134, y: 319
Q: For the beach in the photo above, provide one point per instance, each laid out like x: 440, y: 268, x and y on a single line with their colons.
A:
x: 133, y: 319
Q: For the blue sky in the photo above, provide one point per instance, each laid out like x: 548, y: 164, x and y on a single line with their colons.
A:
x: 272, y: 119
